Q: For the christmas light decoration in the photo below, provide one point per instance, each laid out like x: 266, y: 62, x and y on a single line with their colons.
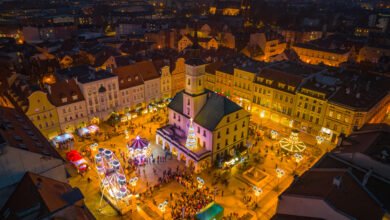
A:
x: 112, y: 176
x: 191, y: 137
x: 292, y: 143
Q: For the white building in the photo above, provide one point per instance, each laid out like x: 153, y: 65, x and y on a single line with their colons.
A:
x: 139, y: 84
x: 101, y: 92
x: 70, y: 104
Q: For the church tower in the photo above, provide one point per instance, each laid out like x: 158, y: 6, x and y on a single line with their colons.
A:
x: 194, y: 96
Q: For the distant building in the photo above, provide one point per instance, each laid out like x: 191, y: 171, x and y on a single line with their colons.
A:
x: 38, y: 33
x: 265, y: 45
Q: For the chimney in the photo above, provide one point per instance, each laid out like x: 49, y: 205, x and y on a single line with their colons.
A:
x: 337, y: 181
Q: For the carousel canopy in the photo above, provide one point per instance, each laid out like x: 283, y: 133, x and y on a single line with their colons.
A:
x: 138, y: 143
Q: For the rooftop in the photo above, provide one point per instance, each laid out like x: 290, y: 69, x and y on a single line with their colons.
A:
x: 349, y: 197
x: 52, y: 196
x: 65, y: 92
x: 20, y: 132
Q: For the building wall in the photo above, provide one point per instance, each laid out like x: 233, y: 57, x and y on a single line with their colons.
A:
x: 243, y: 83
x: 72, y: 116
x: 178, y: 76
x: 132, y: 97
x: 231, y: 132
x: 43, y: 114
x: 372, y: 54
x: 310, y: 110
x: 101, y: 104
x: 209, y: 82
x: 152, y: 90
x: 317, y: 56
x: 166, y: 82
x: 308, y: 207
x: 224, y: 83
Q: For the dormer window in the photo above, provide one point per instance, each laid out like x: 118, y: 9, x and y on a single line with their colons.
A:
x: 129, y: 79
x: 75, y: 97
x: 64, y: 99
x: 136, y: 78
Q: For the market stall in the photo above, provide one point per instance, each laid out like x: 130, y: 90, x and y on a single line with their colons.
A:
x: 63, y: 141
x: 89, y: 130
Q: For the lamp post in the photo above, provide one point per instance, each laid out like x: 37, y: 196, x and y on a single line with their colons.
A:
x: 279, y: 174
x: 162, y: 206
x: 262, y: 114
x: 200, y: 182
x: 274, y: 134
x: 133, y: 182
x: 258, y: 191
x: 319, y: 140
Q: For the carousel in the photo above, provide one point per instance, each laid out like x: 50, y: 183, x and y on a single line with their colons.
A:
x: 139, y: 150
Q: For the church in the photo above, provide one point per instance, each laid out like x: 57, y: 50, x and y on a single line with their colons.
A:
x: 204, y: 128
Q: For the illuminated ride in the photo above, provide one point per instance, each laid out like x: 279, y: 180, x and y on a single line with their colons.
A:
x: 292, y: 143
x: 139, y: 150
x: 77, y: 161
x: 112, y: 177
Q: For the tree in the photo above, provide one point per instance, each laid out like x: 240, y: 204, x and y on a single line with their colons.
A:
x: 191, y: 137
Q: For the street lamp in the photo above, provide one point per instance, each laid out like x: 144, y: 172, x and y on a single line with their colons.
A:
x: 262, y: 114
x: 133, y: 181
x: 162, y: 206
x: 258, y: 191
x: 298, y: 157
x: 274, y: 134
x: 200, y: 182
x: 279, y: 174
x: 319, y: 139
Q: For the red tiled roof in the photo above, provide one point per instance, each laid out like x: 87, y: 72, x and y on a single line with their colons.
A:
x: 65, y: 89
x: 145, y: 69
x: 350, y: 197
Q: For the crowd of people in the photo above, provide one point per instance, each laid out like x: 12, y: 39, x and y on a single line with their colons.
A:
x: 187, y: 205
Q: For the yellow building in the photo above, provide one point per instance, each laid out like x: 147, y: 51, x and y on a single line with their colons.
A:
x: 310, y: 108
x: 224, y: 80
x: 312, y: 54
x: 166, y: 82
x: 244, y: 77
x: 275, y: 90
x: 349, y: 108
x: 178, y: 76
x: 43, y: 114
x: 210, y: 71
x: 205, y: 42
